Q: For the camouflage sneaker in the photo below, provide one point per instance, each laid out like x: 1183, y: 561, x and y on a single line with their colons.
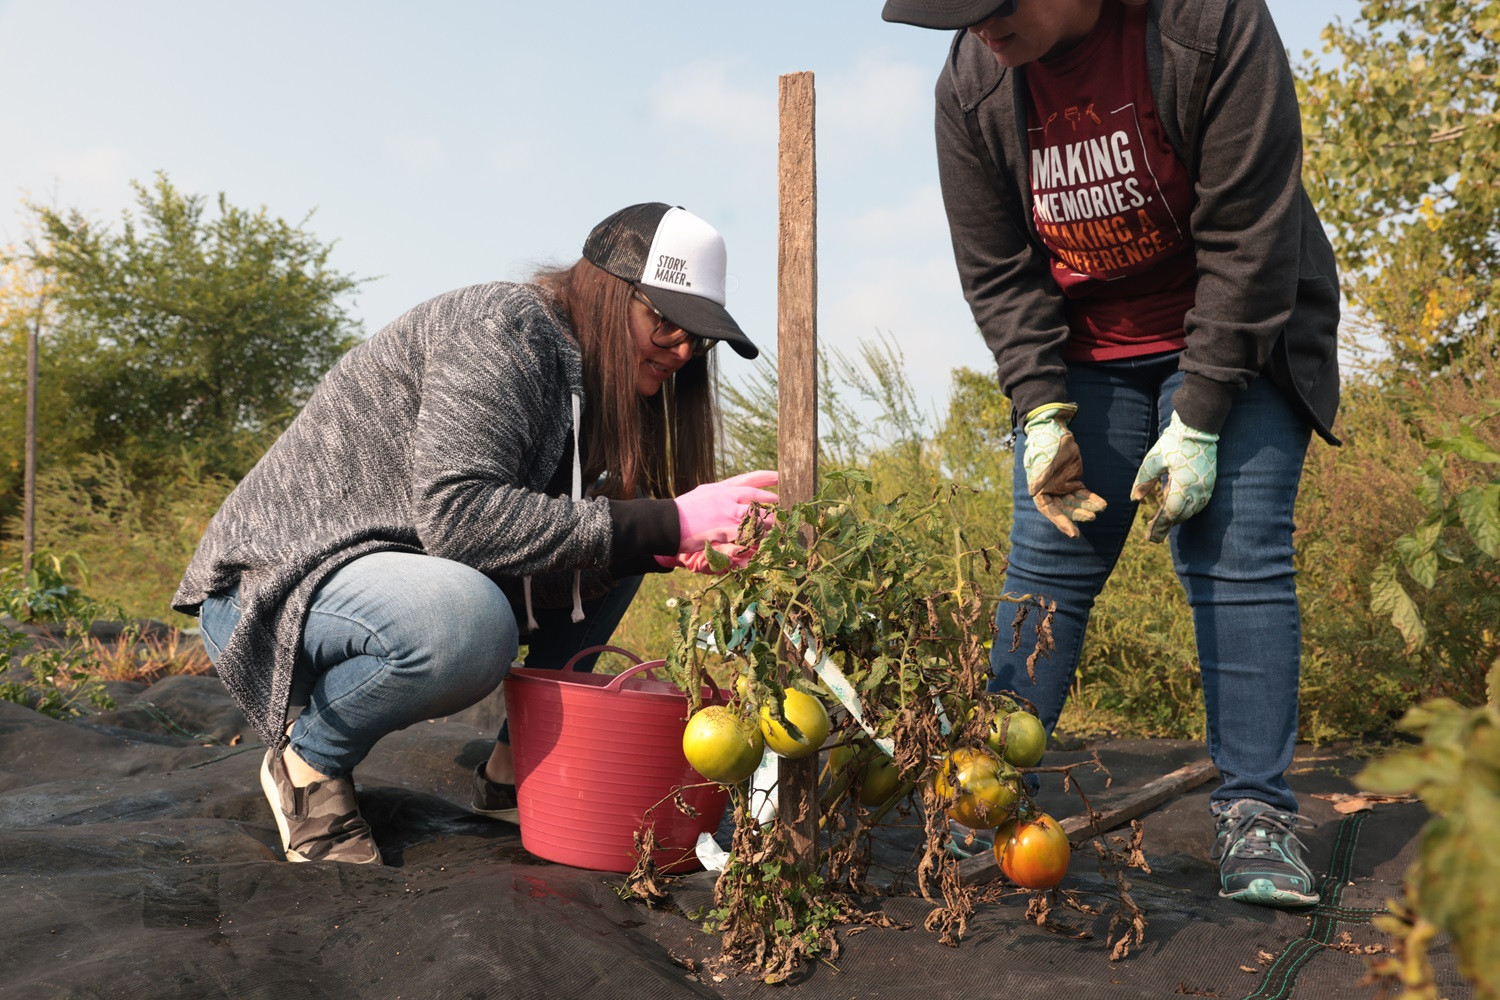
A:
x: 319, y: 822
x: 1260, y: 858
x: 493, y: 799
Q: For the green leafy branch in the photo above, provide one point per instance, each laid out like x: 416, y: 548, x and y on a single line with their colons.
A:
x: 48, y: 593
x: 1454, y: 885
x: 52, y: 682
x: 59, y: 682
x: 1473, y: 513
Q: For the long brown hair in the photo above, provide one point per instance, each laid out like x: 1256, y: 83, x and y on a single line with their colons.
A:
x: 661, y: 445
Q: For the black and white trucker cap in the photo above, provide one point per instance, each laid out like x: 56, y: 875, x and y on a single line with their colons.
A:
x: 678, y: 260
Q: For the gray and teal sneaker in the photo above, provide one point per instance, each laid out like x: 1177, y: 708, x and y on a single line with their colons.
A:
x: 1260, y: 857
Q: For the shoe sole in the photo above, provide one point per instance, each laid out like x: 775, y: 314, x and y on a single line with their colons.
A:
x: 1263, y: 892
x: 504, y: 815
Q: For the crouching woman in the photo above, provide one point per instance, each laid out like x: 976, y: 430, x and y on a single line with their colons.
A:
x: 504, y: 460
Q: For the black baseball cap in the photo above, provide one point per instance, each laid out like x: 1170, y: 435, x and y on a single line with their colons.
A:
x: 678, y: 260
x: 949, y: 15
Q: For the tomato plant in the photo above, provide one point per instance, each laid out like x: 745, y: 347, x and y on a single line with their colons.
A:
x: 876, y: 601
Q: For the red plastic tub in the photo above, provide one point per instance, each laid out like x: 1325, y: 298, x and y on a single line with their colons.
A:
x: 593, y: 753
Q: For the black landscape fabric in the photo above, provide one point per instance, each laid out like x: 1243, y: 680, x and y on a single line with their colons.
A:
x: 138, y: 859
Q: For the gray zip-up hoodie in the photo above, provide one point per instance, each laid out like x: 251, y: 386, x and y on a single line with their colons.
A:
x: 1267, y: 291
x: 440, y: 435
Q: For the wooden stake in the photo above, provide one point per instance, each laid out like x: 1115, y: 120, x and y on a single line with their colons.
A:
x: 797, y: 379
x: 797, y: 293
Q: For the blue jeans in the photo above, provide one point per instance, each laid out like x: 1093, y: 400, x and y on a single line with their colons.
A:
x: 1234, y: 560
x: 391, y: 639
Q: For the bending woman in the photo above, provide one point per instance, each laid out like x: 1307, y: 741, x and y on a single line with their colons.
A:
x: 1123, y: 188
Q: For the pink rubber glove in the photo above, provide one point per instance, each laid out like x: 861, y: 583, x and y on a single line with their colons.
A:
x: 712, y: 513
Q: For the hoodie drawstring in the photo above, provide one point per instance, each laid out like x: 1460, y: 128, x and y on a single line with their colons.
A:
x: 577, y: 496
x: 531, y: 624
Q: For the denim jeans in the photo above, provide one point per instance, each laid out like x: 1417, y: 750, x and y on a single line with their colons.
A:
x: 391, y: 639
x: 1234, y: 561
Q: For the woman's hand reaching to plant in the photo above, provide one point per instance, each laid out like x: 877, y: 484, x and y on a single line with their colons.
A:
x: 712, y: 515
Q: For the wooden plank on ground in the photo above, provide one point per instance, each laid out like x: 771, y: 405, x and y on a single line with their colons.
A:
x: 982, y: 867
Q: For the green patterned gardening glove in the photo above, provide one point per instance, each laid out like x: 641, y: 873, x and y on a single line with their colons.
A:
x: 1054, y: 467
x: 1189, y: 459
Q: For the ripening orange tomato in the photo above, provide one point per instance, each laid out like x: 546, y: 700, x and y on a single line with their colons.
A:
x: 1033, y: 853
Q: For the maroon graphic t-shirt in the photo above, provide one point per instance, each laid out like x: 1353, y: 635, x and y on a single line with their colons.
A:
x: 1111, y: 199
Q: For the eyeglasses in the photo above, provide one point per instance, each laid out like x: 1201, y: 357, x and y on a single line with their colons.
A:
x: 698, y: 346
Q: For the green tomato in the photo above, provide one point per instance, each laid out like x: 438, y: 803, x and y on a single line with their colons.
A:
x: 807, y: 714
x: 1024, y: 739
x: 879, y: 781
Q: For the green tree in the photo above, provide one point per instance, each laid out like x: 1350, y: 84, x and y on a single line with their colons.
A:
x: 23, y: 309
x: 866, y: 406
x: 1402, y: 132
x: 976, y: 440
x: 182, y: 329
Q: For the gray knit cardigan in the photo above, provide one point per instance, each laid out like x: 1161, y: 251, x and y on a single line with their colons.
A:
x: 439, y: 434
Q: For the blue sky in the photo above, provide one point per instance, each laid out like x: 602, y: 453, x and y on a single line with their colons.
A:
x: 453, y: 143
